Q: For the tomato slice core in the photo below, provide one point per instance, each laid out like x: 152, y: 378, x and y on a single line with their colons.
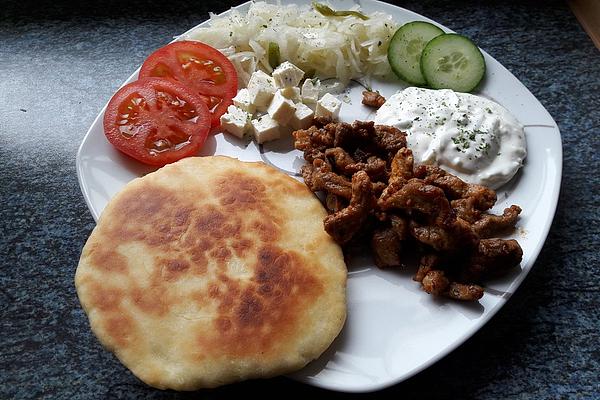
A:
x: 163, y: 140
x: 198, y: 69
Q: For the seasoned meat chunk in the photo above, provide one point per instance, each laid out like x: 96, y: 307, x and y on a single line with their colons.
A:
x: 344, y: 224
x: 389, y: 139
x: 314, y: 154
x: 427, y: 263
x: 334, y: 203
x: 302, y: 138
x: 378, y: 188
x: 464, y: 292
x: 375, y: 167
x: 400, y: 226
x: 435, y: 282
x: 312, y: 141
x: 332, y: 183
x: 416, y: 195
x: 437, y: 237
x: 465, y: 209
x: 345, y: 164
x: 349, y: 137
x: 361, y: 155
x: 402, y: 165
x: 372, y: 99
x: 340, y: 158
x: 492, y: 258
x: 490, y: 225
x: 318, y: 176
x: 456, y: 188
x: 442, y: 230
x: 307, y: 172
x: 386, y: 248
x: 454, y: 236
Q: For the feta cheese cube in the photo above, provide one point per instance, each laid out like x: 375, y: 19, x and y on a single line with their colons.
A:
x: 242, y: 100
x: 281, y: 109
x: 310, y: 91
x: 292, y: 93
x: 329, y: 106
x: 302, y: 118
x: 261, y: 89
x: 287, y: 74
x: 265, y: 129
x: 235, y: 121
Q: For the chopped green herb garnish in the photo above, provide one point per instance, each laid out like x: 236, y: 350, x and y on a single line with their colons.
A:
x: 462, y: 143
x: 483, y: 148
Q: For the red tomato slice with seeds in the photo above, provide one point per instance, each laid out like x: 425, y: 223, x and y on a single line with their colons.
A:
x: 156, y: 121
x: 199, y: 67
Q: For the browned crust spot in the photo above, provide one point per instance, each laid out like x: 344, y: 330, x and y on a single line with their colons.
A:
x: 257, y: 316
x: 121, y: 329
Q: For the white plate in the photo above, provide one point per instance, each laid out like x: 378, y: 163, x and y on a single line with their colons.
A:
x: 394, y: 330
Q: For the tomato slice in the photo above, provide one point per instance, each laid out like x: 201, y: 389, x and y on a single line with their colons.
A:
x: 199, y: 67
x: 156, y: 121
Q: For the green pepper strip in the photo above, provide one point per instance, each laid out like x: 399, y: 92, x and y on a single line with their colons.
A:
x: 274, y: 55
x: 328, y: 12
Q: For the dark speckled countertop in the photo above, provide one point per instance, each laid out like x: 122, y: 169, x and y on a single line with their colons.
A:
x: 61, y: 61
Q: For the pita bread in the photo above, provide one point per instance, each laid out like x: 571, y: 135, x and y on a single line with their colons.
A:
x: 211, y: 270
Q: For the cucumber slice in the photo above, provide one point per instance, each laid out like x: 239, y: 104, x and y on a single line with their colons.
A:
x: 406, y: 46
x: 452, y: 61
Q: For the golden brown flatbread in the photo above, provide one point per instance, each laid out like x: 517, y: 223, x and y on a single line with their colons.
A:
x: 212, y: 270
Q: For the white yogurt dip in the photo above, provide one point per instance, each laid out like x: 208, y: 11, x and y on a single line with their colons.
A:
x: 469, y: 136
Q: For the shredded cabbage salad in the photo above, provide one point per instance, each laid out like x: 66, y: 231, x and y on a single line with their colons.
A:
x: 327, y: 47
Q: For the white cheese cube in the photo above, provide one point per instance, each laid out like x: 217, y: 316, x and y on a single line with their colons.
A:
x: 310, y: 91
x: 265, y: 129
x: 235, y: 121
x: 302, y: 118
x: 292, y: 93
x: 329, y: 106
x: 281, y: 109
x: 242, y: 100
x: 260, y: 90
x: 287, y: 74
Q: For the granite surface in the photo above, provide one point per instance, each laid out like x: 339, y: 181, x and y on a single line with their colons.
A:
x: 61, y: 61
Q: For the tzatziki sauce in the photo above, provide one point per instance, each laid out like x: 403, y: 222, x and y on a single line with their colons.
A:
x: 469, y: 136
